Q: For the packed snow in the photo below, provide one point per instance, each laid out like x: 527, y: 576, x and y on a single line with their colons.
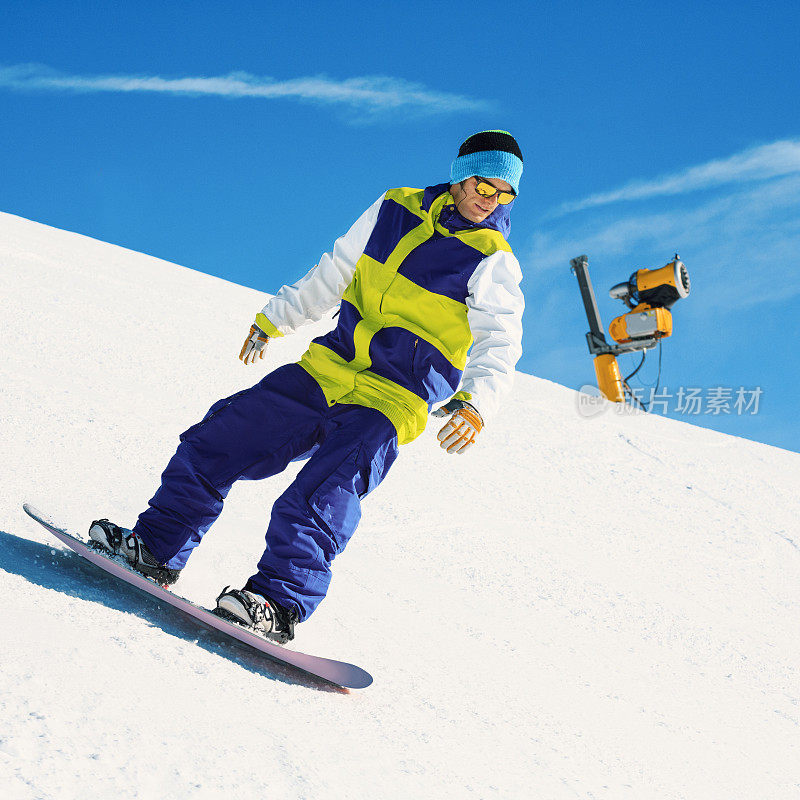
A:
x: 585, y: 605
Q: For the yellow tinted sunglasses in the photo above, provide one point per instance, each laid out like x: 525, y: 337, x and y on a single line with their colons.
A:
x: 485, y: 189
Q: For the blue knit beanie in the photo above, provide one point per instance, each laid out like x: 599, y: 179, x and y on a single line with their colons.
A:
x: 489, y: 154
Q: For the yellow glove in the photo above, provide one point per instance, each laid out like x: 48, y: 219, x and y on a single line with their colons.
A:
x: 464, y: 425
x: 254, y: 345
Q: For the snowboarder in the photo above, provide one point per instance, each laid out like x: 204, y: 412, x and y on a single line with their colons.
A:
x: 429, y: 298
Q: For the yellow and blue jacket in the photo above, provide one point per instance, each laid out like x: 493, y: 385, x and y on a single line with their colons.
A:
x: 429, y: 302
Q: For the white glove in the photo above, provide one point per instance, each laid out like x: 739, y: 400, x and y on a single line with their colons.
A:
x: 464, y: 425
x: 254, y: 345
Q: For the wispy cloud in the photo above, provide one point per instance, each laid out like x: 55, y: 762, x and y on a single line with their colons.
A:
x: 371, y: 94
x: 731, y: 242
x: 757, y: 163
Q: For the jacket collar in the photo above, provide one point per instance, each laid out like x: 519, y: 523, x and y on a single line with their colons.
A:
x: 499, y: 220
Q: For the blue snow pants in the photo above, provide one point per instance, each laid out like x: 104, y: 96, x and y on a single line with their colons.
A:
x: 255, y: 434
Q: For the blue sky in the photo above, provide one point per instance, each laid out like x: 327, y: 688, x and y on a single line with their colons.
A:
x: 241, y: 138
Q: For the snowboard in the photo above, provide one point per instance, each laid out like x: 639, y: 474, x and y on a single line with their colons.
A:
x: 339, y: 672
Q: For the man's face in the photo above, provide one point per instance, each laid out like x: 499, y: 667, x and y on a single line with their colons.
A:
x: 470, y: 204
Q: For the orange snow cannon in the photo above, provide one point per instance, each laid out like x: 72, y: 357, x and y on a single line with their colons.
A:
x: 649, y: 294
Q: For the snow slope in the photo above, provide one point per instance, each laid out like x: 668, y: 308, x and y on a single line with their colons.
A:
x: 600, y: 607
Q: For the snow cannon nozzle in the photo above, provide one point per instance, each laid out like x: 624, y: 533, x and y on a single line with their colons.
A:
x: 658, y: 288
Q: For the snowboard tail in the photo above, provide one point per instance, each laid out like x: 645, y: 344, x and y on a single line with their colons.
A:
x: 339, y: 672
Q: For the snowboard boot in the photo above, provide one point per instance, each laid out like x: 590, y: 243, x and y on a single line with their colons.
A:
x: 262, y: 615
x: 126, y: 543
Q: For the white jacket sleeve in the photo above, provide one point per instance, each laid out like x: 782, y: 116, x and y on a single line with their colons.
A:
x: 494, y: 311
x: 316, y: 293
